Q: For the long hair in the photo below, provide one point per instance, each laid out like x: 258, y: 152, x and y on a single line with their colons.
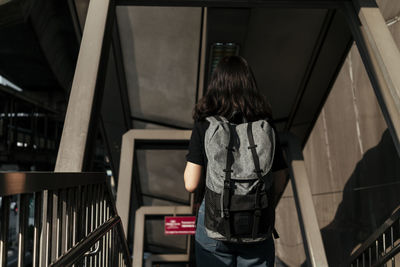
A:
x: 232, y: 89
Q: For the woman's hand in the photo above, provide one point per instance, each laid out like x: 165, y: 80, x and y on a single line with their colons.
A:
x: 192, y: 176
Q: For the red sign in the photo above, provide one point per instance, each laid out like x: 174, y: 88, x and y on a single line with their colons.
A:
x: 182, y: 225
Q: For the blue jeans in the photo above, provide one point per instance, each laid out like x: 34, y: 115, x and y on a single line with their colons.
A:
x: 210, y: 252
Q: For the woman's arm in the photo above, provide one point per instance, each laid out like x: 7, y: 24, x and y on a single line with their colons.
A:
x: 192, y: 176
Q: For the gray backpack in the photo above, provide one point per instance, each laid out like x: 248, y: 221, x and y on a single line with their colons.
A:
x: 238, y: 203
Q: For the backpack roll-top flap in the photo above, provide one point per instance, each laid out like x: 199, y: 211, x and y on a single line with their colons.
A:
x: 217, y: 140
x: 264, y: 139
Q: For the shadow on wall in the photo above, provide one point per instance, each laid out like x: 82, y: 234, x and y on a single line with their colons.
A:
x: 369, y: 197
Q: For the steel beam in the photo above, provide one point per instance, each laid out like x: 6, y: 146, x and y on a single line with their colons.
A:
x: 325, y: 27
x: 310, y: 230
x: 381, y: 58
x: 87, y: 80
x: 202, y: 56
x: 126, y: 163
x: 120, y: 70
x: 236, y: 3
x: 166, y: 258
x: 163, y: 122
x: 138, y: 241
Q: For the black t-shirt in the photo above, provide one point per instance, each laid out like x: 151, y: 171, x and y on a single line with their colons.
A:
x: 197, y: 152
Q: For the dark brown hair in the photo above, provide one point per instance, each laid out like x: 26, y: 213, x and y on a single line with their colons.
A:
x: 232, y: 88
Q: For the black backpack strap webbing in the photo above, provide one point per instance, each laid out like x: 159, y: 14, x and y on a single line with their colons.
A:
x: 258, y: 171
x: 227, y: 183
x: 252, y: 147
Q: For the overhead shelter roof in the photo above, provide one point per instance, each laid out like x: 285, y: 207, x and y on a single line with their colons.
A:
x: 295, y: 54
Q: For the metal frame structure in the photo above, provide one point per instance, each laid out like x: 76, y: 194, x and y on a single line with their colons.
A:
x: 376, y: 45
x: 138, y: 242
x: 310, y: 230
x: 202, y: 55
x: 236, y: 3
x: 311, y: 66
x: 381, y: 59
x: 86, y: 88
x: 129, y: 141
x: 377, y: 48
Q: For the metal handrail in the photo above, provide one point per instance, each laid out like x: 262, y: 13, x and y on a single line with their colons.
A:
x: 13, y: 183
x: 387, y: 256
x: 382, y: 253
x: 78, y: 251
x: 70, y: 211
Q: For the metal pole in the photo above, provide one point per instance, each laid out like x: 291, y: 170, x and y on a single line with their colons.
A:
x: 43, y: 229
x: 22, y: 225
x: 36, y: 230
x: 381, y: 58
x: 5, y: 220
x: 202, y: 55
x: 310, y: 230
x: 91, y: 62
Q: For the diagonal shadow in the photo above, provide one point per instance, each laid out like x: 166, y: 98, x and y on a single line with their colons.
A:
x: 369, y: 197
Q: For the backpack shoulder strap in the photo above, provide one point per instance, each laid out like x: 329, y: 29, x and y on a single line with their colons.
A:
x: 252, y: 147
x: 258, y: 171
x: 225, y: 196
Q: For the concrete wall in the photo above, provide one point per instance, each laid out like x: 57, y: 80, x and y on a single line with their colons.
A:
x: 352, y: 164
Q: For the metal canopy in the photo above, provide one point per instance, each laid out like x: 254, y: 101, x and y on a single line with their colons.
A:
x: 295, y: 54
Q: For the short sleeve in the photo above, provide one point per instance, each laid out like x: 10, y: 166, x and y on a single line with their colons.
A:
x: 195, y: 150
x: 279, y: 162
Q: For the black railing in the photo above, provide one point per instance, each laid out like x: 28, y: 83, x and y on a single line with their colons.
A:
x: 59, y: 219
x: 382, y: 246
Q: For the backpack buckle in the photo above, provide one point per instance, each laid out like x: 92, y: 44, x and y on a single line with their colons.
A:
x: 230, y: 149
x: 258, y: 171
x: 227, y: 184
x: 226, y: 213
x: 225, y: 170
x: 257, y: 213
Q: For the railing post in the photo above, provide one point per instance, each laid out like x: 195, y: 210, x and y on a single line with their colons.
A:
x: 22, y: 226
x: 310, y: 230
x: 5, y: 219
x: 381, y: 58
